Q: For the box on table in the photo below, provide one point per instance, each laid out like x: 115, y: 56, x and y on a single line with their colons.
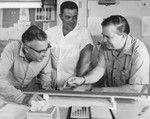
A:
x: 51, y: 113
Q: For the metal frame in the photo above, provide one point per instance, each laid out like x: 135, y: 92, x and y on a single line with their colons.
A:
x: 90, y: 95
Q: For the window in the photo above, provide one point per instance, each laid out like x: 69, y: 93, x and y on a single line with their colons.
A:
x: 47, y: 13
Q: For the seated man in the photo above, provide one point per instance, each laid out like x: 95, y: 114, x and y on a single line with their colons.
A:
x: 21, y: 62
x: 126, y: 59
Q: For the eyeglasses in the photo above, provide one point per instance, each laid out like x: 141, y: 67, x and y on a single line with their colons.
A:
x: 39, y: 51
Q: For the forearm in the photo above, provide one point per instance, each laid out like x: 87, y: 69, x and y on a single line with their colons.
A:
x: 94, y: 75
x: 97, y: 73
x: 84, y: 69
x: 84, y: 61
x: 10, y: 93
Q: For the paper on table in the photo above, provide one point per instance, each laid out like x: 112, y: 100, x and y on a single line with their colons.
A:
x: 39, y: 105
x: 13, y: 111
x: 73, y: 101
x: 100, y: 112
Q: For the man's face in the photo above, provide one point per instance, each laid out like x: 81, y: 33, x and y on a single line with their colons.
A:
x: 112, y: 40
x: 36, y: 50
x: 69, y: 19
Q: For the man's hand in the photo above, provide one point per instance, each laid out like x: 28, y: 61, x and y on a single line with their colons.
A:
x: 82, y: 88
x: 75, y: 81
x: 28, y: 99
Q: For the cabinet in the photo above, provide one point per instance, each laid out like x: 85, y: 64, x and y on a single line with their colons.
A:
x: 48, y: 13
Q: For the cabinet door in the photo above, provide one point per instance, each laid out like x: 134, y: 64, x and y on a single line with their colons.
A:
x: 47, y: 13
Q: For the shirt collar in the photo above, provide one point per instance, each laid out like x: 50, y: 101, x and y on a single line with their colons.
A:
x: 21, y: 53
x: 129, y: 45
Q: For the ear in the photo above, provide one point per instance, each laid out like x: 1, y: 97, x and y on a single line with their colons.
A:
x: 60, y: 16
x: 25, y: 49
x: 124, y: 36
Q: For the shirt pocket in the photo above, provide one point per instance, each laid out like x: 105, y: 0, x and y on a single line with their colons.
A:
x: 125, y: 76
x: 54, y: 52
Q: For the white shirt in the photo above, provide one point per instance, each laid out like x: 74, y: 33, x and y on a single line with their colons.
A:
x: 66, y: 50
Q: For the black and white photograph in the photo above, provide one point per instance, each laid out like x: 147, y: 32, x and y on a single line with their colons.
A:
x: 74, y: 59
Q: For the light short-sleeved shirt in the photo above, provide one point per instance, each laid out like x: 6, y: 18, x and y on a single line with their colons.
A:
x: 130, y: 67
x: 66, y: 50
x: 14, y: 62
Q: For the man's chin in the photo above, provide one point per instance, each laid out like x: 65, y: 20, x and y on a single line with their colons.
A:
x: 106, y: 47
x: 71, y: 28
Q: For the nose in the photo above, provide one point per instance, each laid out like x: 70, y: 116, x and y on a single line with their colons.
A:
x: 43, y: 54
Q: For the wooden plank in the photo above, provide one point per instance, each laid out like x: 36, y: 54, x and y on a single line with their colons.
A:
x: 89, y: 94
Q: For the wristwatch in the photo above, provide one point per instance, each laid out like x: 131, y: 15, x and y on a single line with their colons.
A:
x: 26, y: 100
x: 84, y: 80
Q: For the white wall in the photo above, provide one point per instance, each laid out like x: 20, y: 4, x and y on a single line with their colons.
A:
x: 1, y: 18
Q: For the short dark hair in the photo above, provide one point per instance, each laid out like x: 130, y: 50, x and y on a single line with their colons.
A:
x: 119, y: 21
x: 68, y: 5
x: 33, y: 33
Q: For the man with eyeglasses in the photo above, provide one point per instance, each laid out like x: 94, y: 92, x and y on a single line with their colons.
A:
x: 72, y: 45
x: 21, y: 63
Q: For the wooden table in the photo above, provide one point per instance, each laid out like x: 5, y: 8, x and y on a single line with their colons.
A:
x: 126, y: 109
x: 129, y: 106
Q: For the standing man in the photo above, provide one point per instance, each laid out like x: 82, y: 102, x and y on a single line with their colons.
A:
x: 71, y: 45
x: 127, y: 60
x: 20, y: 64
